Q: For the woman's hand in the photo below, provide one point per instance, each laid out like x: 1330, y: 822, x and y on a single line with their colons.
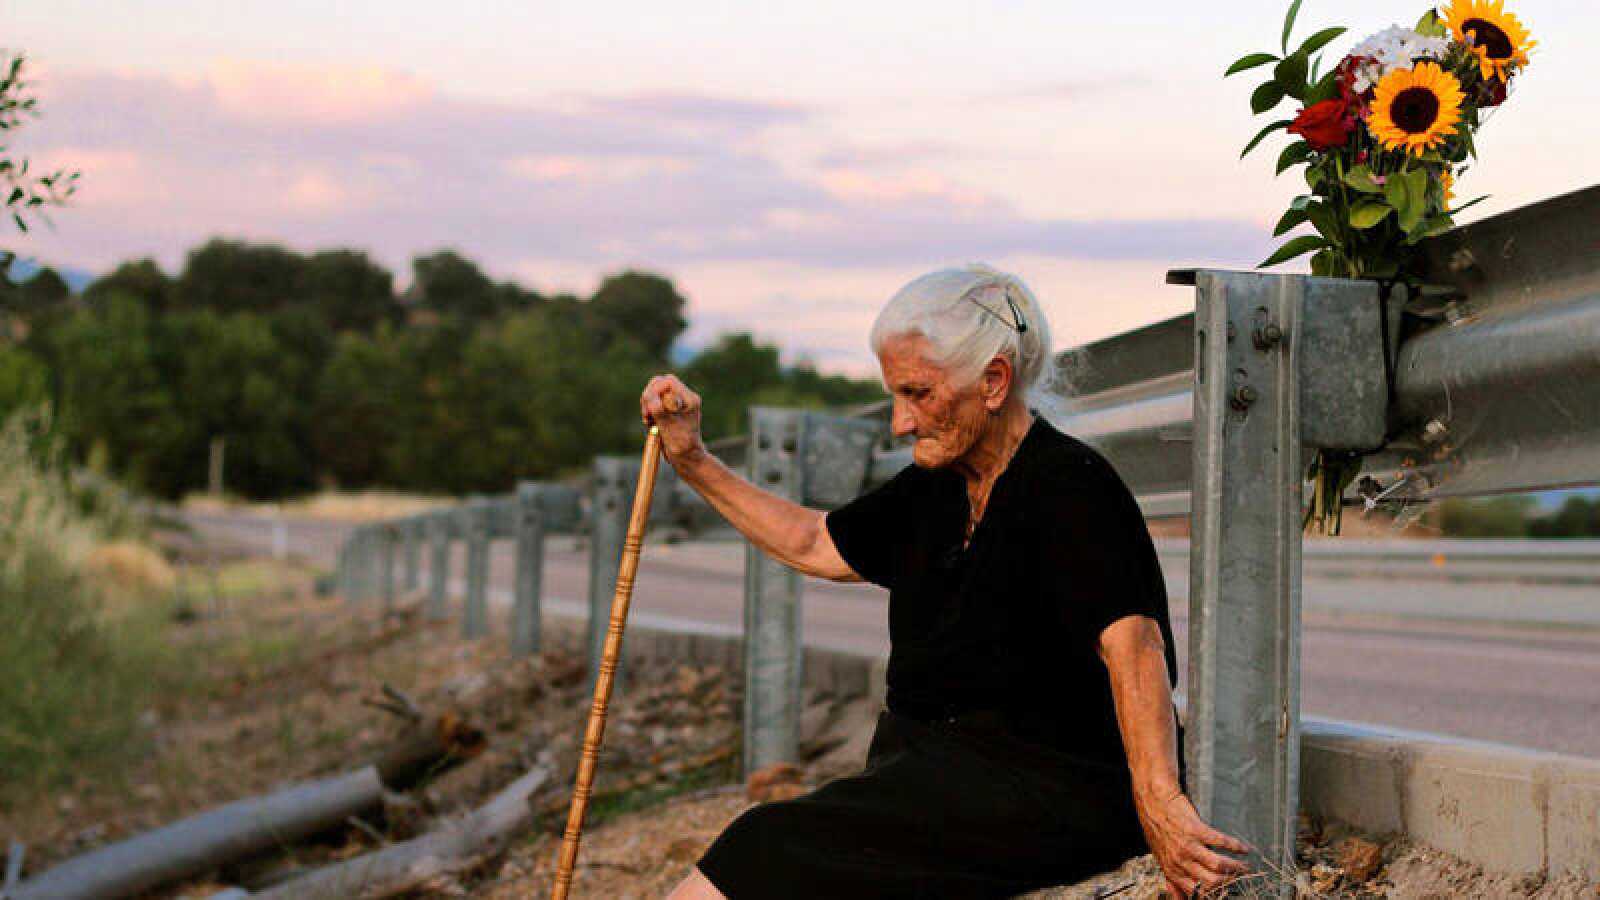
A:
x: 1186, y: 846
x: 669, y: 404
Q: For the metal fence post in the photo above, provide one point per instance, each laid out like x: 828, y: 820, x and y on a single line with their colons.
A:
x: 438, y: 527
x: 772, y: 638
x: 388, y: 537
x: 341, y: 570
x: 363, y: 564
x: 412, y: 530
x: 529, y: 537
x: 475, y: 620
x: 610, y: 505
x: 1244, y: 618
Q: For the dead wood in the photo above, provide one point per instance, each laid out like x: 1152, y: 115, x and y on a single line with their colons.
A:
x: 245, y: 828
x: 455, y: 847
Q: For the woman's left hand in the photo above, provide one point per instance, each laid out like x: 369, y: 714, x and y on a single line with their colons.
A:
x: 1186, y: 846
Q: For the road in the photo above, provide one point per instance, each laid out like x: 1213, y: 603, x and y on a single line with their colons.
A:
x: 1444, y: 666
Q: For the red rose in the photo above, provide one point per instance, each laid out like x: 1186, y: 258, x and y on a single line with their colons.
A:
x: 1324, y: 125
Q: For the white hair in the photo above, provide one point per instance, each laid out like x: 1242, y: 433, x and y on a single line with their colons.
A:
x: 965, y: 316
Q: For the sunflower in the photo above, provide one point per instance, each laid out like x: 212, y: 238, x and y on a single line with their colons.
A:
x: 1493, y: 35
x: 1447, y: 180
x: 1415, y: 109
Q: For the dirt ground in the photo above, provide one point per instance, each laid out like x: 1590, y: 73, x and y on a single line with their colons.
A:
x: 283, y: 691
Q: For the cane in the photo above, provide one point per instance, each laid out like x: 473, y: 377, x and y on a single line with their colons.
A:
x: 608, y: 664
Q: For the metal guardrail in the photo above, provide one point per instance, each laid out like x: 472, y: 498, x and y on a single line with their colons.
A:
x: 1213, y: 414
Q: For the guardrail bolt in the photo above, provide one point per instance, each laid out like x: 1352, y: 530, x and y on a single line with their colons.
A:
x: 1243, y: 396
x: 1267, y: 336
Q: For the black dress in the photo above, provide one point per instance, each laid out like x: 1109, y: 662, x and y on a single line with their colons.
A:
x: 997, y: 767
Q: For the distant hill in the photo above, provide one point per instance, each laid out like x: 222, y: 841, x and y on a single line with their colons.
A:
x: 77, y: 279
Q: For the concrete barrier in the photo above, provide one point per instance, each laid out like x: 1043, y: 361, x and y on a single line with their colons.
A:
x: 1504, y: 808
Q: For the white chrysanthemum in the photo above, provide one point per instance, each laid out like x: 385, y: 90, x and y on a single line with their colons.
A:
x: 1394, y: 48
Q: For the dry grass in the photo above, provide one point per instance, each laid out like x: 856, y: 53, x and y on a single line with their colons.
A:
x: 360, y: 506
x: 130, y: 567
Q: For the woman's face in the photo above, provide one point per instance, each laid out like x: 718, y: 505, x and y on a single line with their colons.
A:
x: 946, y: 421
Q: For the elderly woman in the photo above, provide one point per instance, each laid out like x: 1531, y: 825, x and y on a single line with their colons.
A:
x: 1030, y: 737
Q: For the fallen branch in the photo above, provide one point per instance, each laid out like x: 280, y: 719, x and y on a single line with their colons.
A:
x: 245, y: 828
x: 452, y: 848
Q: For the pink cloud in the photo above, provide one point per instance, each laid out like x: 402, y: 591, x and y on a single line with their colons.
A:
x: 285, y: 93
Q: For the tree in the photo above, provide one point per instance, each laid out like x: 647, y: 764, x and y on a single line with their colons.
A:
x: 349, y: 290
x: 644, y: 307
x: 366, y: 398
x: 45, y: 290
x: 1578, y: 516
x: 233, y: 380
x: 112, y: 397
x: 141, y: 280
x: 451, y: 284
x: 728, y: 375
x: 26, y: 193
x: 24, y: 381
x: 231, y: 276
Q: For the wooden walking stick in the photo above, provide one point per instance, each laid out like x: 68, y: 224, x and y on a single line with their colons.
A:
x: 608, y: 664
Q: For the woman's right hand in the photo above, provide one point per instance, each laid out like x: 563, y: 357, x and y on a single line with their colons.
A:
x: 669, y: 404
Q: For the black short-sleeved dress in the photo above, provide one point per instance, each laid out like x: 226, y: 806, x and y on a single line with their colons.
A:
x: 997, y: 767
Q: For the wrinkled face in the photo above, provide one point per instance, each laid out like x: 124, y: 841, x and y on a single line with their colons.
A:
x: 945, y: 420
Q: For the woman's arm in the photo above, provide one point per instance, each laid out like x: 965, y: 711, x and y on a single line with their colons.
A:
x: 788, y: 532
x: 1135, y: 656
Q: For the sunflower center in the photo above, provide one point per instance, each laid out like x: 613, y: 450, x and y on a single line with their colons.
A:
x: 1414, y: 109
x: 1488, y: 36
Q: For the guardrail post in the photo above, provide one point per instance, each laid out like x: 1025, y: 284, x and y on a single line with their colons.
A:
x: 610, y: 505
x: 364, y: 564
x: 1244, y: 618
x: 529, y: 537
x: 412, y: 530
x: 772, y: 638
x: 341, y: 571
x: 388, y: 537
x: 438, y: 527
x: 475, y: 620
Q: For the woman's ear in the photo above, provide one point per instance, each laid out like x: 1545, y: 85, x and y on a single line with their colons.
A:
x: 996, y: 383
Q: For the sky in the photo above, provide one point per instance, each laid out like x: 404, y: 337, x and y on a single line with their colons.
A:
x: 788, y: 165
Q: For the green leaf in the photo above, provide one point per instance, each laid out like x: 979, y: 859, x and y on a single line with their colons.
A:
x: 1469, y: 204
x: 1466, y: 138
x: 1293, y: 154
x: 1249, y: 62
x: 1290, y: 219
x: 1288, y: 23
x: 1301, y: 202
x: 1430, y: 228
x: 1281, y: 123
x: 1319, y: 40
x: 1296, y: 247
x: 1314, y: 176
x: 1266, y: 97
x: 1430, y: 26
x: 1324, y: 220
x: 1361, y: 179
x: 1369, y: 213
x: 1290, y: 74
x: 1325, y: 88
x: 1322, y: 263
x: 1407, y: 192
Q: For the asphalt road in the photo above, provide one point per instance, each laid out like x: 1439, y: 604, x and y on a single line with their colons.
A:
x: 1444, y: 665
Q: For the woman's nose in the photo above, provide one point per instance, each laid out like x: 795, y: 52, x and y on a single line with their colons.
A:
x: 901, y: 422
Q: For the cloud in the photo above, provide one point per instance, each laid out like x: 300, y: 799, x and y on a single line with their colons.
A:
x: 681, y: 183
x: 283, y: 93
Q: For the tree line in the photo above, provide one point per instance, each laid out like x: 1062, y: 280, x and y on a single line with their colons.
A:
x: 316, y: 373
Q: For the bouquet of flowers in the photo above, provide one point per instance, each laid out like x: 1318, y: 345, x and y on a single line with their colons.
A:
x: 1382, y: 135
